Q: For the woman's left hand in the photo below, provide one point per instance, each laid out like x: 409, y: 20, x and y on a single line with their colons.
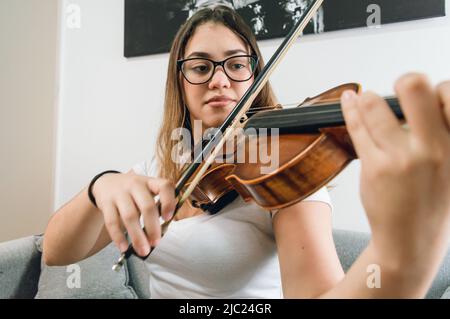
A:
x: 405, y: 173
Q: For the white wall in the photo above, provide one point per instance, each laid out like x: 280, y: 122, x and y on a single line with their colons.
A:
x: 110, y: 106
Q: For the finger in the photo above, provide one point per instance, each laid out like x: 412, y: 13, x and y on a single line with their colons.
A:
x: 362, y: 141
x: 420, y: 106
x: 113, y: 226
x: 380, y: 121
x: 443, y: 91
x: 166, y: 192
x: 130, y: 217
x: 146, y: 205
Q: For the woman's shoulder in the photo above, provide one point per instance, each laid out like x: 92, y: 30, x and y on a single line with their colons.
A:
x: 320, y: 195
x: 147, y: 167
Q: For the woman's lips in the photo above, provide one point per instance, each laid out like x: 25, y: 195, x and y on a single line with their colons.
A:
x: 219, y: 102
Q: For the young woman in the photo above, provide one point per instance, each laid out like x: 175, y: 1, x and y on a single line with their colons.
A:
x: 244, y: 251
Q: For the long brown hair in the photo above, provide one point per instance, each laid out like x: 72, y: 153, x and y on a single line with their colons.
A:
x: 176, y: 114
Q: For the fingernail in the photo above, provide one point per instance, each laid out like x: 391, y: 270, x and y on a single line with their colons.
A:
x: 348, y: 95
x: 144, y: 250
x: 169, y: 216
x: 155, y: 242
x: 123, y: 246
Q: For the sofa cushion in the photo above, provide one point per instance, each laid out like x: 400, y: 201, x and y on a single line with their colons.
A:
x: 446, y: 294
x: 441, y: 280
x: 19, y: 268
x: 349, y: 245
x: 139, y: 277
x: 91, y: 278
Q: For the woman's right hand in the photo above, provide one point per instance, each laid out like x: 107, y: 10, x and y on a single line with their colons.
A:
x: 124, y: 198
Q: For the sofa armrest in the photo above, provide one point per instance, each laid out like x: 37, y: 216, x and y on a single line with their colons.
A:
x: 19, y: 268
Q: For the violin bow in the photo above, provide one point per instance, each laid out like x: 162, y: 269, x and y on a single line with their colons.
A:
x: 226, y: 130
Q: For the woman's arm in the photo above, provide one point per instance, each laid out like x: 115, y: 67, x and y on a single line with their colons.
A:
x: 308, y: 260
x: 405, y: 182
x: 79, y: 229
x: 74, y: 231
x: 310, y: 267
x: 405, y: 176
x: 372, y: 276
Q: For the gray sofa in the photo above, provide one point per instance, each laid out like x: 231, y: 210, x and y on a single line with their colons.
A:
x: 23, y: 274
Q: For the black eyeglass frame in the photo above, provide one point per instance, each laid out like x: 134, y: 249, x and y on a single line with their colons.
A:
x: 216, y: 64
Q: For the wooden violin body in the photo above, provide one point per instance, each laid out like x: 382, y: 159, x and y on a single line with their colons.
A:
x: 306, y: 162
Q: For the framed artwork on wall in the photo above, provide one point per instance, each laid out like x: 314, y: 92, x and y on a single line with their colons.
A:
x: 150, y: 25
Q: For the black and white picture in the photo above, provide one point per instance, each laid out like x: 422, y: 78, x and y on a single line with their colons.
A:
x: 150, y: 25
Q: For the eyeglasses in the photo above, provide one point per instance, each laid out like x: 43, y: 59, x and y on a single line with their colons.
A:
x: 239, y: 68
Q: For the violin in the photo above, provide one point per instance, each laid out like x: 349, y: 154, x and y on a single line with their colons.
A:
x: 313, y: 146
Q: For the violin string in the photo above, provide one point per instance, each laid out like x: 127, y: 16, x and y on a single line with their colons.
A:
x: 308, y: 112
x: 255, y: 110
x: 325, y: 108
x: 335, y: 107
x: 263, y: 108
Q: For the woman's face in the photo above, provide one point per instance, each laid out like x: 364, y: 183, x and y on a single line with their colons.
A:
x: 211, y: 102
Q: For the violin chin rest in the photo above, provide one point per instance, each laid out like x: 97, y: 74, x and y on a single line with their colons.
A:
x: 222, y: 202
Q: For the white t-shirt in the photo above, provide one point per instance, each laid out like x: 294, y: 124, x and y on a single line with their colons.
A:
x: 231, y: 254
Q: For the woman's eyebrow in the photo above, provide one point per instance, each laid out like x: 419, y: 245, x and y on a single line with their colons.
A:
x: 207, y: 55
